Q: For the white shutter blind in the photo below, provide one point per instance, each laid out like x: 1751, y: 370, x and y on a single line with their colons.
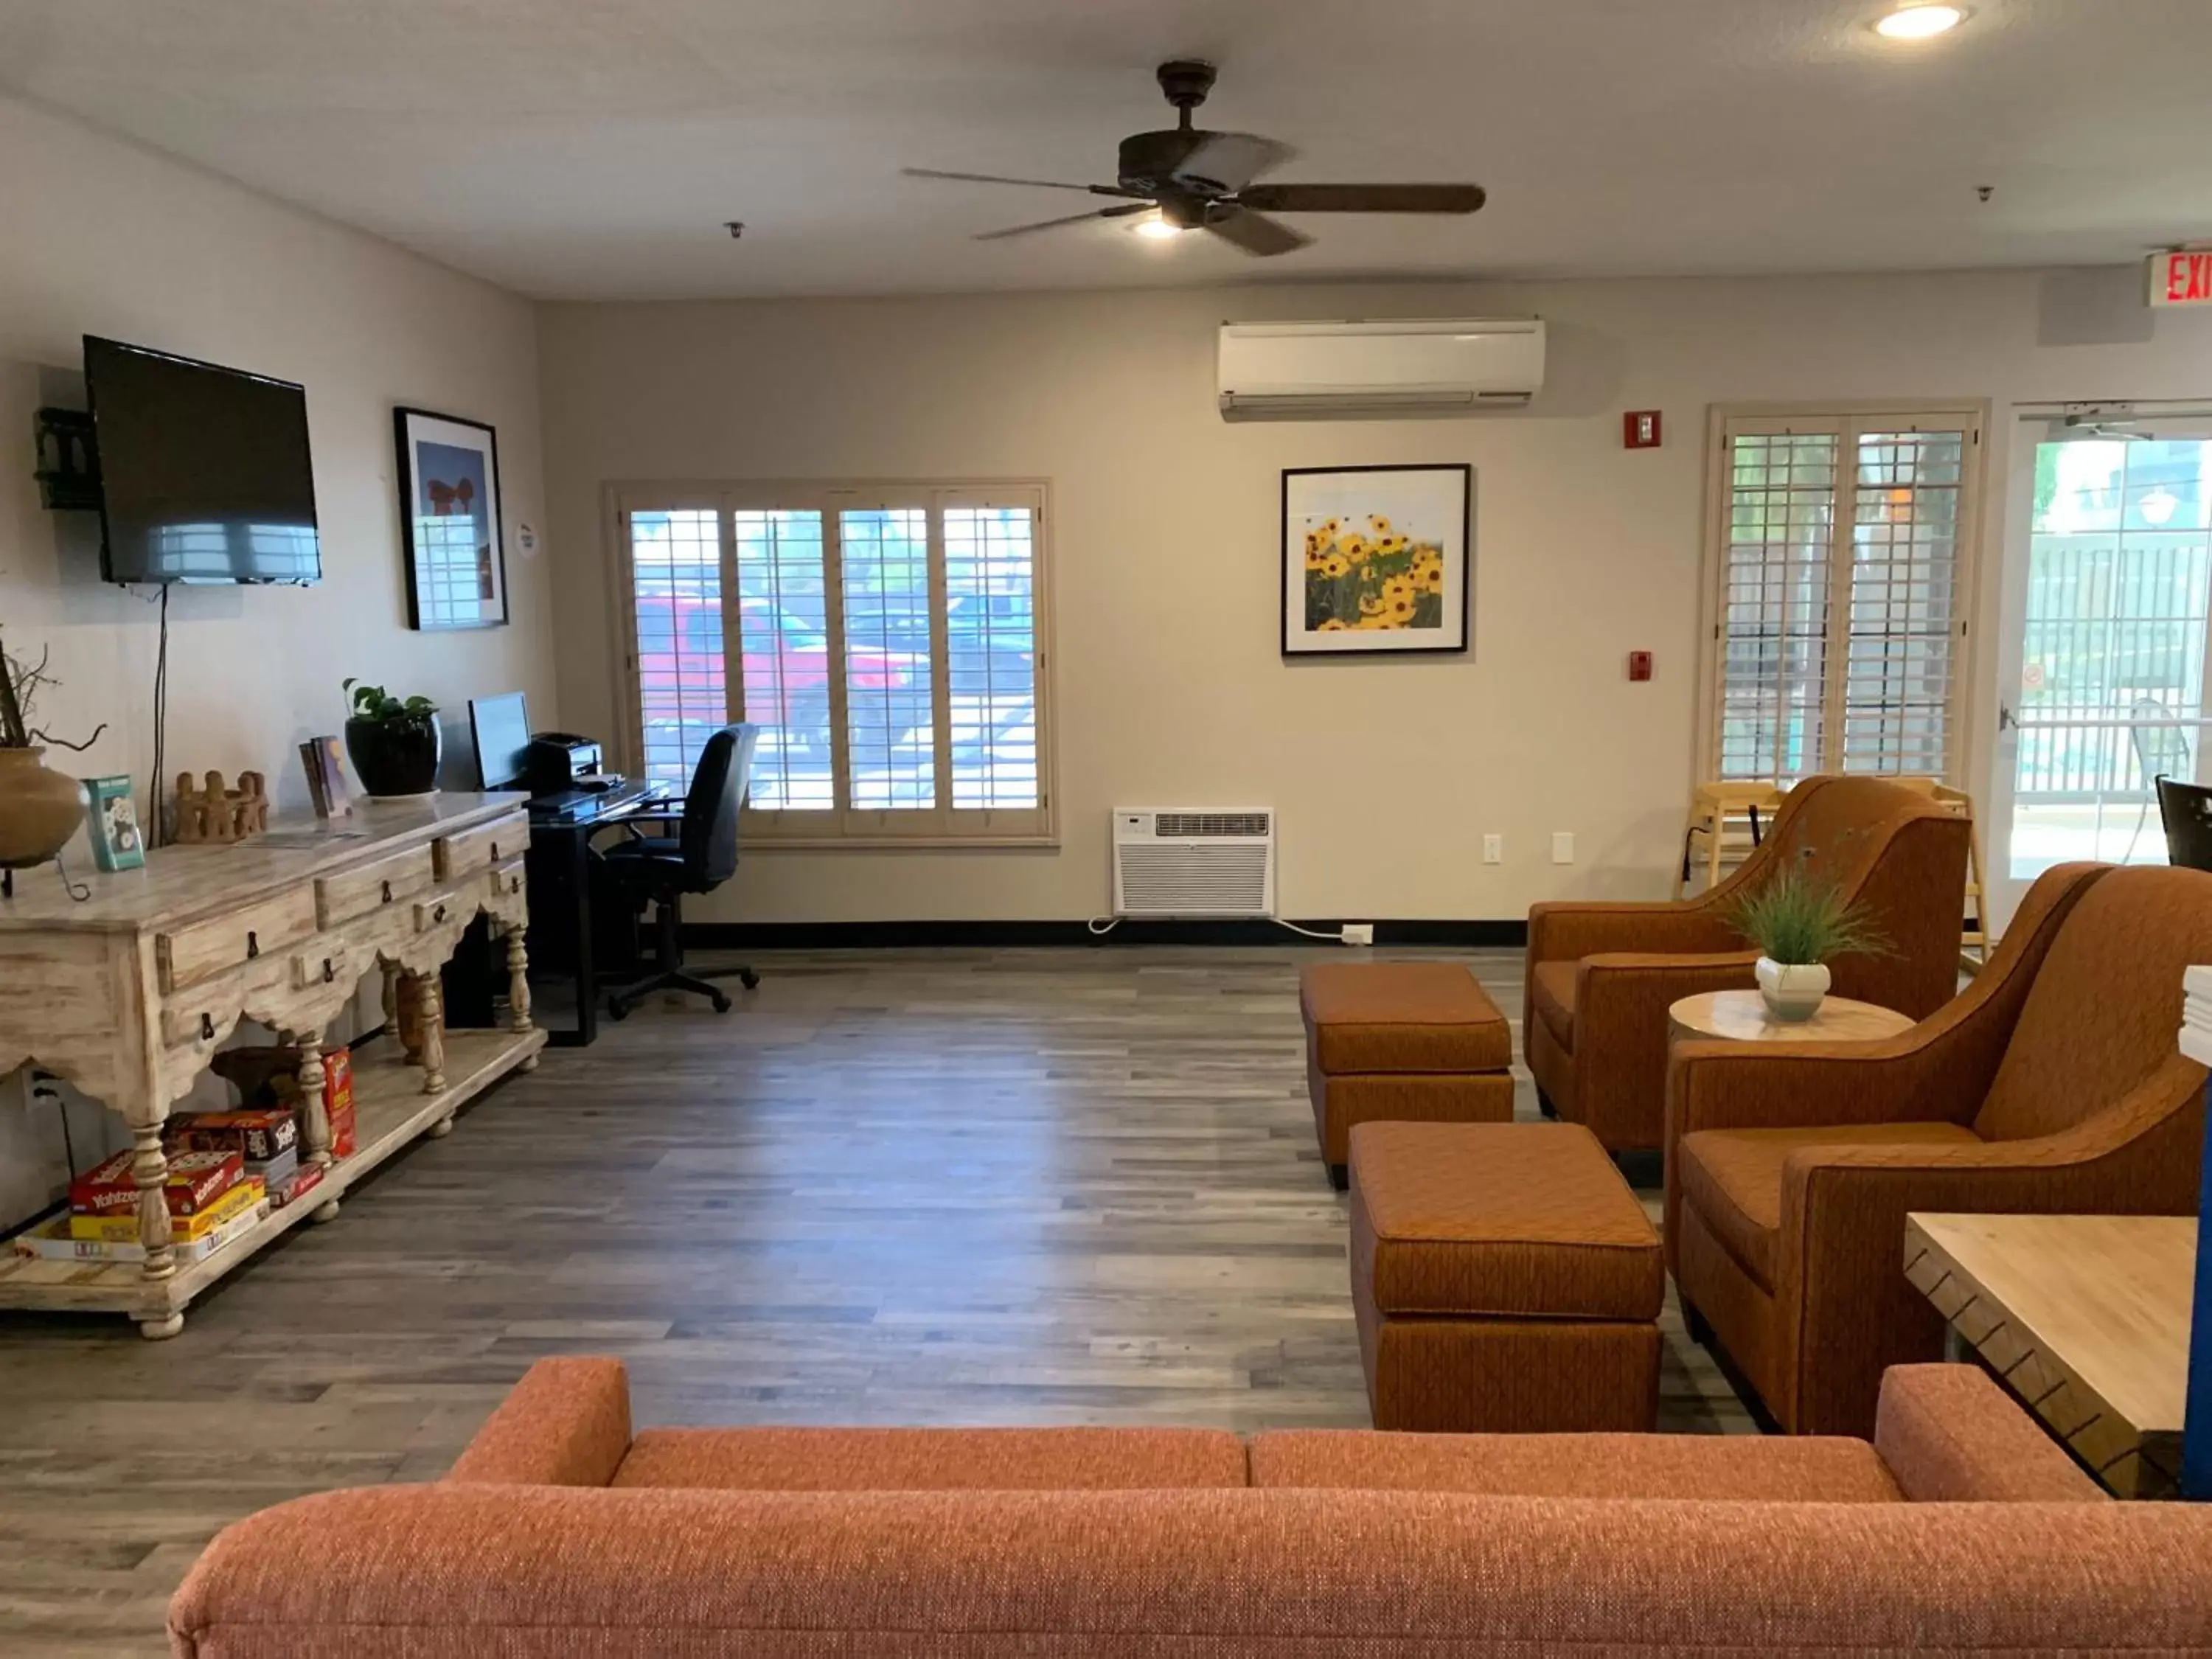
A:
x: 1773, y: 628
x: 676, y: 608
x: 783, y: 653
x: 889, y: 685
x: 888, y: 639
x: 990, y: 612
x: 1899, y: 657
x: 1836, y: 632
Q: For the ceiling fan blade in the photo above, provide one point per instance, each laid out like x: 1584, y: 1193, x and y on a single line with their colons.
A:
x: 1120, y: 212
x: 1256, y: 233
x: 1230, y: 161
x: 995, y: 179
x: 1364, y: 198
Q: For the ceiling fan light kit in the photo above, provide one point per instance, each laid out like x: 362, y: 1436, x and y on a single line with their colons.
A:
x: 1186, y: 177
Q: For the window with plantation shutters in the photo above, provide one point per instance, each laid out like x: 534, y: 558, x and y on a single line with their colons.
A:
x: 888, y: 639
x: 1837, y: 589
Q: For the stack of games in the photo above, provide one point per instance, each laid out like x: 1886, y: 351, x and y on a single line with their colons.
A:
x: 211, y: 1201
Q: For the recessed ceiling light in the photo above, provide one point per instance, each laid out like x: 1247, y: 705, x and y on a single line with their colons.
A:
x: 1920, y: 22
x: 1158, y: 229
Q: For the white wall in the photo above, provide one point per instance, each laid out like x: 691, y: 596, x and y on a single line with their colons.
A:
x: 1170, y: 686
x: 103, y: 237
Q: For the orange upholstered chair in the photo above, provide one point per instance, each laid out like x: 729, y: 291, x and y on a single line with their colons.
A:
x: 2052, y: 1084
x: 1600, y: 977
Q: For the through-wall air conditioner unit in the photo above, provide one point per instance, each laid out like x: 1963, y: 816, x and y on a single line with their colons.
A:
x: 1194, y: 862
x: 1322, y: 369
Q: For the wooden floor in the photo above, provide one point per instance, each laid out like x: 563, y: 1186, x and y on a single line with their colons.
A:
x: 1073, y: 1185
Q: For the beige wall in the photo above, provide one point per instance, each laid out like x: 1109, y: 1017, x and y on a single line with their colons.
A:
x: 1170, y: 688
x: 100, y: 236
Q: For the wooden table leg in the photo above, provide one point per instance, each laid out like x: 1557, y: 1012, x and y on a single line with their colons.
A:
x: 315, y: 1111
x: 517, y: 985
x: 390, y: 999
x: 150, y: 1169
x: 409, y: 1012
x: 433, y: 1043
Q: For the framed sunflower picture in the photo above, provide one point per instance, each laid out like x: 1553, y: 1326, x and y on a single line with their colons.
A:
x: 1376, y: 558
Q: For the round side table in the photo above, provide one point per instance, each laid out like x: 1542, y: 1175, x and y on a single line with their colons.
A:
x: 1742, y: 1016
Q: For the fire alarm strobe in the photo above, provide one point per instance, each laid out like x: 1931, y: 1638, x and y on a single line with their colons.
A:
x: 1639, y: 429
x: 1639, y: 665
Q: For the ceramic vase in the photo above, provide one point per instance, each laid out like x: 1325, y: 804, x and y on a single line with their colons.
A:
x: 395, y: 758
x: 39, y: 810
x: 1793, y: 990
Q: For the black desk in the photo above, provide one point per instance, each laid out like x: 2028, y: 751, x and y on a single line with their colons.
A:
x: 561, y: 924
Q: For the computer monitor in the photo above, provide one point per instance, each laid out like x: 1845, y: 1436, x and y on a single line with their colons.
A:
x: 502, y: 728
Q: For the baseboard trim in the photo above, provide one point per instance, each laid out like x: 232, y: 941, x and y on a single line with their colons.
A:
x: 995, y: 935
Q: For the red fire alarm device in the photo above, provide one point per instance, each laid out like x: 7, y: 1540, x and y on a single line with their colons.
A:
x: 1639, y: 665
x: 1639, y: 429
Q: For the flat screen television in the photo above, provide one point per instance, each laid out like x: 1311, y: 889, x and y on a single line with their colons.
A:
x: 204, y: 471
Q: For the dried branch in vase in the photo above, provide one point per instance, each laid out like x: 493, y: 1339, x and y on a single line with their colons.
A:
x: 19, y: 685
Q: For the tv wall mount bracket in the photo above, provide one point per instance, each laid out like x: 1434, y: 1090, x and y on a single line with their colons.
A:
x: 69, y: 461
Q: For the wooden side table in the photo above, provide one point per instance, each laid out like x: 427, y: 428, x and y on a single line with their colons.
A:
x: 1742, y: 1016
x: 2087, y: 1319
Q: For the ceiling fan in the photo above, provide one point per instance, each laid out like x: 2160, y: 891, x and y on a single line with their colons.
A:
x: 1194, y: 180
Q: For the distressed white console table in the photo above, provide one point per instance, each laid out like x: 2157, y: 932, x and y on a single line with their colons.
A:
x: 126, y: 995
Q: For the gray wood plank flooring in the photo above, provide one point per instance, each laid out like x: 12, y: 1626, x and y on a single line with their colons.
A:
x: 1047, y: 1186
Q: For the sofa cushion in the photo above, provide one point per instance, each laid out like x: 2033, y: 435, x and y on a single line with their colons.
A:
x: 1552, y: 990
x: 1402, y: 1017
x: 1514, y: 1219
x: 1733, y: 1179
x: 933, y: 1460
x: 1695, y: 1466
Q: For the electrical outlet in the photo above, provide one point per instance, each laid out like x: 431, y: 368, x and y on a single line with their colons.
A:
x: 1493, y: 849
x: 1563, y: 846
x: 1359, y: 933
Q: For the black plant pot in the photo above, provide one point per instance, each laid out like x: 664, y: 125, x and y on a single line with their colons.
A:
x: 395, y: 758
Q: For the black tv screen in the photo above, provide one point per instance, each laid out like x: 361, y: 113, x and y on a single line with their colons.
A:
x: 204, y: 471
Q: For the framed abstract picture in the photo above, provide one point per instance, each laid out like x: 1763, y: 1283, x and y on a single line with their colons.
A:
x: 449, y: 515
x: 1376, y: 559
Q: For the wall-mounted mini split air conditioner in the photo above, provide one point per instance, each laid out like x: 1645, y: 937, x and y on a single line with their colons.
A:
x: 1177, y: 861
x: 1323, y: 370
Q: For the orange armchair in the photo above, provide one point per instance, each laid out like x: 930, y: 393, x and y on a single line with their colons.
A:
x: 1600, y: 977
x: 2050, y: 1085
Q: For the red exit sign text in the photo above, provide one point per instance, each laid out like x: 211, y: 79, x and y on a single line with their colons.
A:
x: 2181, y: 278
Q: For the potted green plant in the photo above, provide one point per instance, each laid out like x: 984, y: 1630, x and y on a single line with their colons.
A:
x: 394, y: 743
x: 39, y: 810
x: 1800, y: 922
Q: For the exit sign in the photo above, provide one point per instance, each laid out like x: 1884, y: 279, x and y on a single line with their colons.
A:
x: 2182, y: 278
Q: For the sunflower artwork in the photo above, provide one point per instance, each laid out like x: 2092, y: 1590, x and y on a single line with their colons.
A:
x: 1376, y: 560
x: 1372, y: 575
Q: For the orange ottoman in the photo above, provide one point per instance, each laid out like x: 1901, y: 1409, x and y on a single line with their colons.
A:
x: 1504, y: 1278
x: 1403, y: 1042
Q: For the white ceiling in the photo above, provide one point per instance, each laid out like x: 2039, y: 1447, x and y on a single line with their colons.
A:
x: 590, y: 149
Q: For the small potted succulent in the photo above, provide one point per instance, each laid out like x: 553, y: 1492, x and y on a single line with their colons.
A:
x: 39, y: 810
x: 394, y: 743
x: 1801, y: 922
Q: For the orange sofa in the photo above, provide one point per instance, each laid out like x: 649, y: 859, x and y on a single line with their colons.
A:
x: 2051, y: 1084
x: 1600, y: 977
x: 560, y: 1531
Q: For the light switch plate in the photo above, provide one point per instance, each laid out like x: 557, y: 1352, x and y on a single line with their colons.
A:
x: 1493, y: 849
x: 1563, y: 846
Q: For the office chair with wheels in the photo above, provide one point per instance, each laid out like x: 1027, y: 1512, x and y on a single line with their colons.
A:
x: 699, y: 857
x: 2187, y: 811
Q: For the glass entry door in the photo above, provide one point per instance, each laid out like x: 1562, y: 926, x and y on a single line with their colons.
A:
x: 2111, y: 644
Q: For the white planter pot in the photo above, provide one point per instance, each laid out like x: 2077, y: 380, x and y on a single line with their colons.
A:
x: 1793, y: 990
